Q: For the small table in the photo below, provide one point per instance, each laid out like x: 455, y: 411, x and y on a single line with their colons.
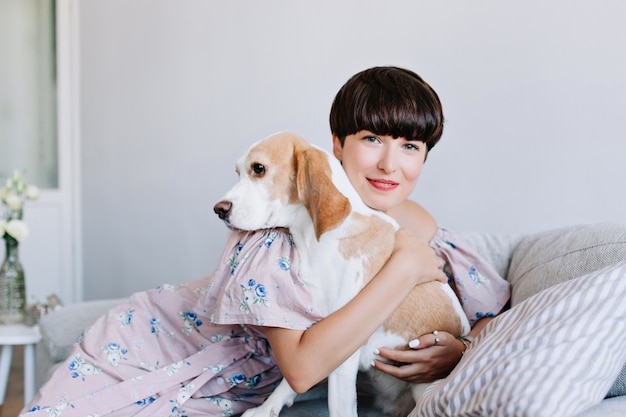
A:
x: 15, y: 335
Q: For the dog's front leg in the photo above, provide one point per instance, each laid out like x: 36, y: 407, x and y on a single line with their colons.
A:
x: 282, y: 396
x: 342, y: 388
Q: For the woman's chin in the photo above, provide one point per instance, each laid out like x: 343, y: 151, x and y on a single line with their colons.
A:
x: 376, y: 204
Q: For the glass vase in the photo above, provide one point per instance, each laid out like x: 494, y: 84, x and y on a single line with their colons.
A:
x: 12, y: 286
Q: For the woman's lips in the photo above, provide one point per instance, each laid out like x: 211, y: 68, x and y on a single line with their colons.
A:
x: 383, y: 185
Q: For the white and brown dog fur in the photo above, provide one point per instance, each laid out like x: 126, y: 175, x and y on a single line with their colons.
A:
x: 286, y: 182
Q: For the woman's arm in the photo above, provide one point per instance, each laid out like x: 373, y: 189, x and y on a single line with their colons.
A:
x: 307, y: 357
x: 424, y: 362
x: 414, y: 218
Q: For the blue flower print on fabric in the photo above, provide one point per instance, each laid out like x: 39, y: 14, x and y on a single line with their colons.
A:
x: 114, y: 353
x: 241, y: 378
x: 145, y: 401
x: 254, y: 381
x: 255, y: 293
x: 236, y: 379
x: 190, y: 321
x: 79, y: 368
x: 57, y: 410
x: 177, y: 413
x: 124, y: 318
x: 270, y: 239
x: 233, y: 260
x: 155, y: 325
x: 184, y: 393
x: 284, y: 263
x: 476, y: 277
x: 260, y: 293
x: 156, y: 328
x: 480, y: 315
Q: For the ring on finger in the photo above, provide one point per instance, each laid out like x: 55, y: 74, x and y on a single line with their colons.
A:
x: 437, y: 339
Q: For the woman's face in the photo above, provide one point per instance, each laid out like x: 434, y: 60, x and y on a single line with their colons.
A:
x: 383, y: 170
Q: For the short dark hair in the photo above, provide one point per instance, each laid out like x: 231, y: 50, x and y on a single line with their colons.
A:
x: 388, y: 101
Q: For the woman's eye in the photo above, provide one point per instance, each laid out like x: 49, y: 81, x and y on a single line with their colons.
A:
x: 371, y: 139
x: 412, y: 146
x: 258, y: 169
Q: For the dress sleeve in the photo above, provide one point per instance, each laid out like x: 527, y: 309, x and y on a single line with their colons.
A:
x: 257, y: 283
x: 480, y: 289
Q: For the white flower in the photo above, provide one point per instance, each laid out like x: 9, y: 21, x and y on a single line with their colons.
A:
x: 32, y: 192
x: 14, y: 202
x: 184, y: 394
x: 13, y: 197
x: 17, y: 229
x: 88, y: 369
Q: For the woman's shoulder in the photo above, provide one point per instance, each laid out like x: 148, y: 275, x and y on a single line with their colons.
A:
x: 414, y: 218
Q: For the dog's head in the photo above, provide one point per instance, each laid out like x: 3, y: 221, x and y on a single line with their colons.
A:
x: 278, y: 178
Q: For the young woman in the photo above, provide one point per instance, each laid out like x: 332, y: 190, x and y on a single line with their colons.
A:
x: 164, y: 352
x: 384, y: 122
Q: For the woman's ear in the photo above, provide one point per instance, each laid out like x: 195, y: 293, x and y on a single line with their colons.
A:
x: 337, y: 148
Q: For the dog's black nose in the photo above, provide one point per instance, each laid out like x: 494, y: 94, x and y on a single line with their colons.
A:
x: 222, y: 209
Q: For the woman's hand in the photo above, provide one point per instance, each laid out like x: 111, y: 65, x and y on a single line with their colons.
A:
x: 425, y: 362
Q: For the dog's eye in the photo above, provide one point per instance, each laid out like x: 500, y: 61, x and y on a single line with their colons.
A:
x: 258, y: 169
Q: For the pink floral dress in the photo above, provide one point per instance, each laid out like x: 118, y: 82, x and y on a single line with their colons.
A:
x: 198, y: 349
x: 162, y: 353
x: 481, y: 290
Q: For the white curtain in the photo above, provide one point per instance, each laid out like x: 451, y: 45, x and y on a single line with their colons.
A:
x: 28, y: 128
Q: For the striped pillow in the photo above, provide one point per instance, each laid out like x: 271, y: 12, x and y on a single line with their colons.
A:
x: 555, y: 354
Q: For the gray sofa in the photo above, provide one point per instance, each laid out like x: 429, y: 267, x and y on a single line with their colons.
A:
x: 531, y: 263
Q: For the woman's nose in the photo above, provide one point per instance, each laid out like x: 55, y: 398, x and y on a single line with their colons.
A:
x: 388, y: 161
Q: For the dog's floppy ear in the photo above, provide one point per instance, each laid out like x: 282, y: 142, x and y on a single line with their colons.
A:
x: 326, y: 205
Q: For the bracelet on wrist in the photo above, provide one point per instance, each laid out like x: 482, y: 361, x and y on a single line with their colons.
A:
x: 467, y: 341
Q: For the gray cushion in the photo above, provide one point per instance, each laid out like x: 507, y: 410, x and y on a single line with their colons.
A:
x: 60, y: 328
x: 544, y: 259
x: 543, y: 357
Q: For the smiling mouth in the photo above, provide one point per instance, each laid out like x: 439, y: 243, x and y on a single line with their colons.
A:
x: 384, y: 185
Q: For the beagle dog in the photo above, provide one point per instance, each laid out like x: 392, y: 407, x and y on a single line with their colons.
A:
x: 284, y: 181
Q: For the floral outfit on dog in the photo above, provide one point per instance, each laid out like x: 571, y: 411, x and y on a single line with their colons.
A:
x: 196, y: 349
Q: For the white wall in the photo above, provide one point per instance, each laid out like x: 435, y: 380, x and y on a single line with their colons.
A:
x: 172, y: 93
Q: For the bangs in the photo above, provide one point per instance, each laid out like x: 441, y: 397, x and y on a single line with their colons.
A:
x: 388, y: 101
x: 385, y: 113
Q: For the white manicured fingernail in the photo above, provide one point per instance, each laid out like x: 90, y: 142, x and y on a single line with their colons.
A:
x: 414, y: 343
x: 376, y: 351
